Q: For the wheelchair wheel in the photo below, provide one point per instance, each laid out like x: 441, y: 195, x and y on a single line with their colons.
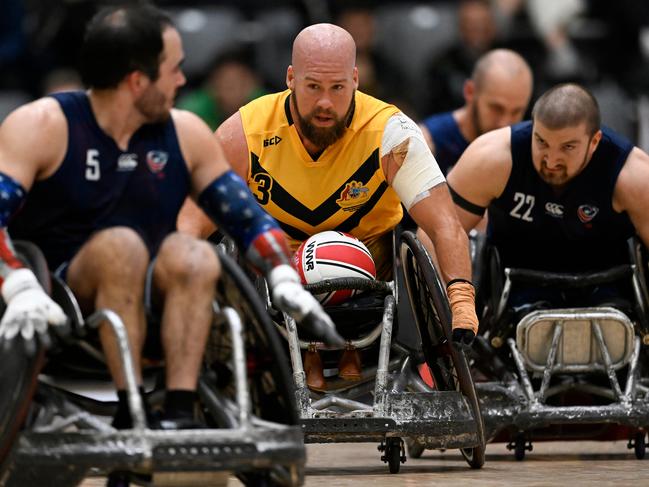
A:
x: 640, y: 445
x: 449, y: 367
x: 18, y: 379
x: 272, y: 395
x: 269, y: 375
x: 19, y: 372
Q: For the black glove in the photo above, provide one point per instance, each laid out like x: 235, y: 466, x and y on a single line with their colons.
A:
x: 462, y: 336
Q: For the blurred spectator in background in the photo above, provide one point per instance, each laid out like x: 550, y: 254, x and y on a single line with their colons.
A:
x: 377, y: 75
x: 62, y: 79
x: 551, y: 20
x: 496, y: 95
x: 12, y: 44
x: 231, y: 82
x: 478, y: 33
x: 618, y: 53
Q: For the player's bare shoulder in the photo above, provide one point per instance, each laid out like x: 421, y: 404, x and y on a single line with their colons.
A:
x: 231, y: 130
x: 194, y: 136
x: 232, y: 138
x: 35, y: 135
x: 491, y: 151
x: 486, y: 164
x: 631, y: 184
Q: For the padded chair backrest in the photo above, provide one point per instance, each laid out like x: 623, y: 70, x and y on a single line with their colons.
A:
x: 578, y: 349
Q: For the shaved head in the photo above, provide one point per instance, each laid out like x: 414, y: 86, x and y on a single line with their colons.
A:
x: 323, y: 79
x: 498, y: 92
x: 323, y: 43
x: 501, y: 65
x: 568, y: 105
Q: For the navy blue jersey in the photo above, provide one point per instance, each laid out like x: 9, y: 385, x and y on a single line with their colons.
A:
x: 98, y: 185
x: 576, y: 230
x: 449, y: 141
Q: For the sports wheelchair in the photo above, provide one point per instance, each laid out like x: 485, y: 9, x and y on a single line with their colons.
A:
x: 571, y: 373
x: 398, y: 326
x: 52, y: 435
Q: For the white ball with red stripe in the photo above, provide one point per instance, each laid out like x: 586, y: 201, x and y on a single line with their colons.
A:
x: 330, y: 255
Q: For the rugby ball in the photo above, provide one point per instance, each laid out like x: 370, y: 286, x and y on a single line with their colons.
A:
x: 330, y: 255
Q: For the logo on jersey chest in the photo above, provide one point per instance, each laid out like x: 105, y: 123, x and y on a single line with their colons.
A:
x: 127, y: 162
x: 156, y: 160
x: 272, y: 141
x: 554, y: 209
x: 353, y: 196
x: 586, y: 213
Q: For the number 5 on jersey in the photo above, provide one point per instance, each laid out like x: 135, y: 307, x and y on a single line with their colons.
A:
x: 92, y: 165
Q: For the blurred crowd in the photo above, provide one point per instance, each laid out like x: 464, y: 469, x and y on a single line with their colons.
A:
x: 415, y: 54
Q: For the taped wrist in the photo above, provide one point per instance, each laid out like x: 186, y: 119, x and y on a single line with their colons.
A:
x: 228, y: 201
x: 461, y: 295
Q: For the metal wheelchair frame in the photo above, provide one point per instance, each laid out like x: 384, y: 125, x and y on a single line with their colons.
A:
x: 516, y: 406
x: 401, y: 404
x: 64, y: 433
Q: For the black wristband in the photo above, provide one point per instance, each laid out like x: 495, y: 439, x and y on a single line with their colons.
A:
x: 453, y: 281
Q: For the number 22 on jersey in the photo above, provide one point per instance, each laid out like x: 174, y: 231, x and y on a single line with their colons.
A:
x: 523, y: 209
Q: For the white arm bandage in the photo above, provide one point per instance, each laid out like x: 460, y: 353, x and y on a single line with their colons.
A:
x: 419, y: 172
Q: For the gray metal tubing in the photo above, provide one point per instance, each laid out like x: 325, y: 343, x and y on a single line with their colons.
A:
x: 575, y: 368
x: 630, y: 388
x: 637, y: 289
x: 348, y: 404
x: 552, y: 357
x: 222, y: 409
x: 134, y: 398
x: 381, y: 384
x: 82, y: 417
x: 500, y: 388
x: 299, y: 377
x: 504, y: 297
x: 615, y: 385
x: 403, y: 377
x: 364, y: 342
x: 525, y: 379
x: 543, y: 415
x: 239, y: 365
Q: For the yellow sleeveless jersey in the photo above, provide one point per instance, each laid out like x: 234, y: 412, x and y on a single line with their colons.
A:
x: 344, y: 189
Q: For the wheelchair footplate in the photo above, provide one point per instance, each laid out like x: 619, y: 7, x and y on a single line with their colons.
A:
x: 203, y: 454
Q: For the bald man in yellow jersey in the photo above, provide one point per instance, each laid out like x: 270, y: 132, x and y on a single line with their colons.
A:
x: 323, y: 156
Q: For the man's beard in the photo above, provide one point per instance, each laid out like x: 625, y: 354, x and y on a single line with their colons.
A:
x: 475, y: 118
x: 323, y: 137
x: 559, y: 178
x: 152, y: 105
